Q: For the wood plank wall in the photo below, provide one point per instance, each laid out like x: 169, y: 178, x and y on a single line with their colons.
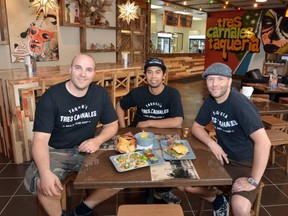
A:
x: 183, y: 65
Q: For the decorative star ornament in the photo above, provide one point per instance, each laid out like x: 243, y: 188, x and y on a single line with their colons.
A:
x: 45, y: 5
x: 128, y: 11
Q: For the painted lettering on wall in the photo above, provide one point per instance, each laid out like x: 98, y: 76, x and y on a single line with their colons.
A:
x: 228, y: 35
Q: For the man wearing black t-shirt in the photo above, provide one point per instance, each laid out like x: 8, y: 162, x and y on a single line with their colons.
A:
x: 66, y: 118
x: 157, y: 105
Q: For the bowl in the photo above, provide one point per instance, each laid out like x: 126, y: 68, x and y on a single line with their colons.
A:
x: 146, y: 141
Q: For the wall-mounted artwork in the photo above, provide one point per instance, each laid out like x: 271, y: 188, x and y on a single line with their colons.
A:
x: 178, y: 20
x: 31, y: 31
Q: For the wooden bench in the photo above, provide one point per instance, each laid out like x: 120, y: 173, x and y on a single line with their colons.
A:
x: 150, y: 209
x: 272, y: 123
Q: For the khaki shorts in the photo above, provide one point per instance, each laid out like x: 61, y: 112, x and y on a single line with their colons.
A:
x: 241, y: 169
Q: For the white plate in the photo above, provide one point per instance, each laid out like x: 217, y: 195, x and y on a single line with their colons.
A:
x: 166, y: 156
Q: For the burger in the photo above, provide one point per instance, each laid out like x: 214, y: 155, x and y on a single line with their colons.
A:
x: 177, y: 150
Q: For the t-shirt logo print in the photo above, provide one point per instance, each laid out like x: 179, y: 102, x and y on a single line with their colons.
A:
x: 154, y: 110
x: 77, y: 116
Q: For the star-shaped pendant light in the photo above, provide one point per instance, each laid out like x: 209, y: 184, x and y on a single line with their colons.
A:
x: 128, y: 11
x: 45, y: 5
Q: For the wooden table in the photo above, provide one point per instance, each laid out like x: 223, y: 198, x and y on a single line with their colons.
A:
x: 265, y: 106
x: 274, y: 93
x: 97, y: 170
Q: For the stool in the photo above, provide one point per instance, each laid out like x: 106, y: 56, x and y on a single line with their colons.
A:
x: 211, y: 131
x: 272, y: 123
x: 254, y: 209
x: 150, y: 209
x: 65, y: 192
x: 278, y: 140
x: 283, y: 100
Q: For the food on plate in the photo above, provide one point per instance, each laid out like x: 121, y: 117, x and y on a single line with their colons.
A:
x: 144, y: 158
x: 126, y: 144
x: 153, y: 160
x: 147, y: 151
x: 127, y: 165
x: 144, y: 135
x: 149, y: 155
x: 141, y: 163
x: 121, y: 159
x: 135, y: 156
x: 177, y: 150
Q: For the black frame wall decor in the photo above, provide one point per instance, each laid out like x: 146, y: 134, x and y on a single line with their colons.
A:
x: 178, y: 20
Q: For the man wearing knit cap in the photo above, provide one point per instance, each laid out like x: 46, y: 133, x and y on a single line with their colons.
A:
x: 242, y: 144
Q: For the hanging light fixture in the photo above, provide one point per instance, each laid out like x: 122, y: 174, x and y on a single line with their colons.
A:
x: 260, y: 0
x: 44, y: 6
x: 128, y: 11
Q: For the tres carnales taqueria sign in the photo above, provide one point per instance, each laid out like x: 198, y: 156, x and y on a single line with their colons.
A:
x: 231, y: 35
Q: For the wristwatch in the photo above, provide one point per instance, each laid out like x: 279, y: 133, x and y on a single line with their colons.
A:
x: 252, y: 181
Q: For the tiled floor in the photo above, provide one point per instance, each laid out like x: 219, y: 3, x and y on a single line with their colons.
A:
x: 15, y: 201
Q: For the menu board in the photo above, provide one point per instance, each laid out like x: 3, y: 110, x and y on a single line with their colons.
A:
x: 178, y: 20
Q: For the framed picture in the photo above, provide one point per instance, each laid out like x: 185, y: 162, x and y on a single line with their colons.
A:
x: 170, y: 18
x: 185, y: 21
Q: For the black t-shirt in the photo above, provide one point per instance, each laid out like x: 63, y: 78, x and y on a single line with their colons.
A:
x: 234, y: 121
x: 71, y: 120
x: 167, y: 104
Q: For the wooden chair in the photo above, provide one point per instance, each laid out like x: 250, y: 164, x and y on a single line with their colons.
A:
x: 99, y: 79
x: 66, y: 192
x: 141, y: 78
x: 272, y: 123
x: 150, y: 209
x: 45, y: 83
x: 255, y: 209
x: 121, y: 87
x: 279, y: 140
x: 211, y: 131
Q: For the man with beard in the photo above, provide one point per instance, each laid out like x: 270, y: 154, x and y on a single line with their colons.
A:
x: 157, y: 106
x: 242, y: 144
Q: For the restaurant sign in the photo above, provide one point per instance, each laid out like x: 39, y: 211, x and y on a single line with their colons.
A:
x: 229, y: 35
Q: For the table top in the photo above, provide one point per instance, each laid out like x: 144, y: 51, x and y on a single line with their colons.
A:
x: 264, y: 87
x: 266, y: 106
x: 97, y: 171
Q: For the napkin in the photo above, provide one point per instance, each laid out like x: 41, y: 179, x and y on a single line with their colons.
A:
x: 247, y: 91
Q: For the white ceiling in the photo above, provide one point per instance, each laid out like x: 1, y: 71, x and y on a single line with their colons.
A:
x: 192, y: 6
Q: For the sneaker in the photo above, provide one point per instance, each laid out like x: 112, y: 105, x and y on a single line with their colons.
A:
x: 64, y: 213
x: 224, y: 209
x: 168, y: 197
x: 75, y: 214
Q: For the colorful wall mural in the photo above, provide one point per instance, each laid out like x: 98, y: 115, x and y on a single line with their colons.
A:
x: 32, y: 33
x: 242, y: 39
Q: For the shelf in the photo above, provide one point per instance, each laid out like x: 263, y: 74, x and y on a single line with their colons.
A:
x: 98, y: 50
x: 99, y: 27
x: 71, y: 24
